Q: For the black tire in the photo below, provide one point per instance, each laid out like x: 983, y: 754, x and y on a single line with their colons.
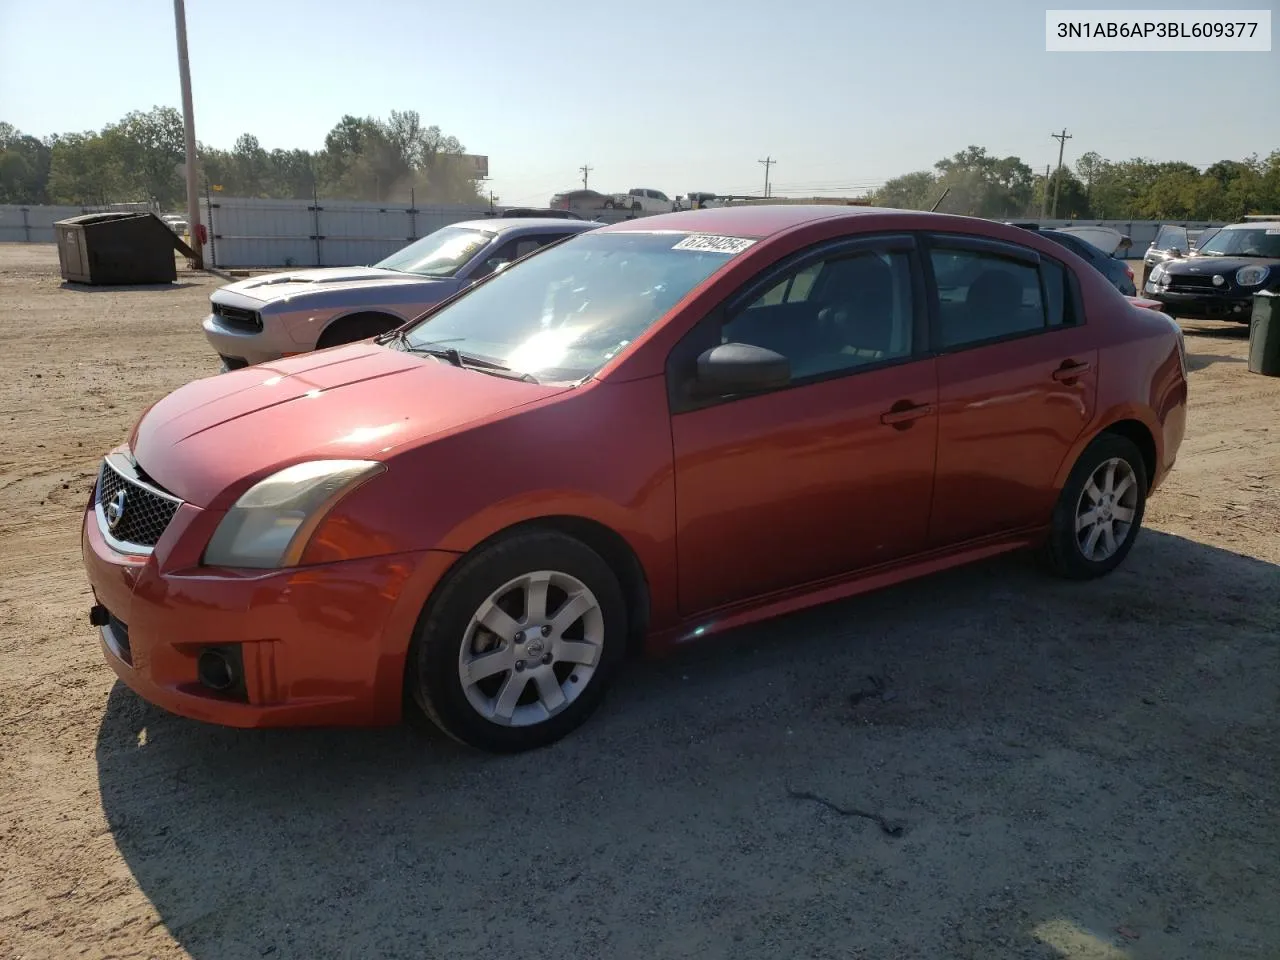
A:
x: 608, y: 204
x: 432, y: 678
x: 359, y: 326
x: 1063, y: 551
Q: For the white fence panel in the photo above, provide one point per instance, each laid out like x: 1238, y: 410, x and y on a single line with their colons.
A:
x: 247, y: 232
x: 33, y: 223
x: 269, y: 233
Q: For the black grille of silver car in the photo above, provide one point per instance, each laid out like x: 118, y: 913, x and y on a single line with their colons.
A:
x: 144, y: 513
x: 1190, y: 281
x: 238, y: 317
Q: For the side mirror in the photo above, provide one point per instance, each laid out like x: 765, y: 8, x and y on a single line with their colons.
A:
x: 497, y: 264
x: 741, y: 368
x: 1175, y: 252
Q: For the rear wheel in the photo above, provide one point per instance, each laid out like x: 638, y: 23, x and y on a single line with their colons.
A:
x: 518, y: 647
x: 1100, y: 509
x: 360, y: 326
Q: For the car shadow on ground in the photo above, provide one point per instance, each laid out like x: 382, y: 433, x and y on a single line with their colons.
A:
x: 1198, y: 361
x: 127, y: 288
x: 1212, y: 328
x: 1054, y: 762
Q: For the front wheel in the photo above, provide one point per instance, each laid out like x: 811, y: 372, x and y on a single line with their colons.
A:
x: 1099, y: 511
x: 520, y: 644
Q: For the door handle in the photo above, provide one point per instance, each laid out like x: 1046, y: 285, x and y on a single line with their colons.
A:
x: 1071, y: 370
x: 906, y: 414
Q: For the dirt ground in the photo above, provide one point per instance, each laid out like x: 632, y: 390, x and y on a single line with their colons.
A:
x: 1083, y: 771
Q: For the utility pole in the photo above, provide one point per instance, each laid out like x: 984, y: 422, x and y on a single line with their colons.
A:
x: 584, y: 170
x: 1044, y: 194
x: 1062, y: 139
x: 767, y: 162
x: 189, y: 127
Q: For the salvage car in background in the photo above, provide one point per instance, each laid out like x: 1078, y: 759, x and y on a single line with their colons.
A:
x: 1173, y: 242
x: 586, y: 201
x: 1118, y: 273
x: 1220, y: 281
x: 477, y: 514
x: 281, y: 314
x: 641, y: 200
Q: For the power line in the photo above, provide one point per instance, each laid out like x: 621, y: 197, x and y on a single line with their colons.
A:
x: 767, y: 162
x: 1062, y: 139
x: 584, y: 170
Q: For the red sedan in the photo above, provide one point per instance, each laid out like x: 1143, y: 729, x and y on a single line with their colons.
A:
x: 650, y: 432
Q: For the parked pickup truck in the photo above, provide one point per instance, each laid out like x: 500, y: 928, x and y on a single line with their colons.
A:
x: 641, y: 200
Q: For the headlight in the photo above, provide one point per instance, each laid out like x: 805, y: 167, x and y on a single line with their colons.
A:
x: 1156, y: 272
x: 270, y: 524
x: 1251, y: 276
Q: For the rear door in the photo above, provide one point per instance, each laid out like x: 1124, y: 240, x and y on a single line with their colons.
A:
x: 1017, y: 383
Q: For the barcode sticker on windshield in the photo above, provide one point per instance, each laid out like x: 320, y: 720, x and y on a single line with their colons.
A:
x: 706, y: 243
x: 1273, y: 231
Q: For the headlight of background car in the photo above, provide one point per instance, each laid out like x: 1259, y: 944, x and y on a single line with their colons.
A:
x: 1251, y: 276
x: 270, y: 524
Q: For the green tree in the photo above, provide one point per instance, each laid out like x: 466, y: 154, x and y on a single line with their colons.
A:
x: 911, y: 191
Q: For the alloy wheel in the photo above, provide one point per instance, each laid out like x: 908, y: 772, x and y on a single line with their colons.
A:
x: 531, y: 648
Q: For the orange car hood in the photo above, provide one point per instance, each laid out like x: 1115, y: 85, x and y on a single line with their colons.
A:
x: 358, y: 402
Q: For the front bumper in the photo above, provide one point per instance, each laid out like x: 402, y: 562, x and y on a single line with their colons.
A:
x: 1202, y: 305
x: 239, y: 348
x: 322, y: 645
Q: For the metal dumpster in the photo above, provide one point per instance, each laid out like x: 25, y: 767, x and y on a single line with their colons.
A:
x: 117, y: 248
x: 1264, y: 334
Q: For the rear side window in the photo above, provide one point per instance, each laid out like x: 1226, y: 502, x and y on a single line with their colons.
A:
x: 985, y: 297
x: 1059, y: 299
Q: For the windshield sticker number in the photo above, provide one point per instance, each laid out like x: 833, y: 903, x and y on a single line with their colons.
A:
x: 1273, y: 231
x: 706, y: 243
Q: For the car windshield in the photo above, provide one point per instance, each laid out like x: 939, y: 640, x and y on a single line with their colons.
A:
x: 563, y: 313
x: 1243, y: 242
x: 439, y: 254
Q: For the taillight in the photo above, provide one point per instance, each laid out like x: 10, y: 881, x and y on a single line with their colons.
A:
x: 1129, y: 270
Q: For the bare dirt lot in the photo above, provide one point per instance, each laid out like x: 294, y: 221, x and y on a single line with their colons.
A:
x: 1085, y: 771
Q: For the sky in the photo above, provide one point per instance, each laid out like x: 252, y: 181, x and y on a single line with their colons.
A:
x: 677, y: 95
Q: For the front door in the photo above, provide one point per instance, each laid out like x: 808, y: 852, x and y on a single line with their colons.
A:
x: 832, y: 473
x: 1017, y: 384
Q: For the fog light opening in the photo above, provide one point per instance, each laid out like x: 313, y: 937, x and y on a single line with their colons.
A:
x: 216, y: 671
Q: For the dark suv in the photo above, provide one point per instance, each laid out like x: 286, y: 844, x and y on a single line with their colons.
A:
x: 1219, y: 282
x: 1173, y: 242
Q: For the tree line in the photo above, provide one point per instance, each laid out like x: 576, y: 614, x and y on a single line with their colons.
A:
x: 979, y: 184
x: 142, y: 157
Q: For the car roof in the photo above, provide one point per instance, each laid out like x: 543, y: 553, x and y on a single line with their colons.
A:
x: 526, y: 224
x: 1254, y: 225
x: 759, y: 221
x: 752, y: 220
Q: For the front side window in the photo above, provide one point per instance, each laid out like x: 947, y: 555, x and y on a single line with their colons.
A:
x: 563, y: 314
x: 984, y: 296
x: 833, y: 315
x: 512, y: 250
x: 439, y: 254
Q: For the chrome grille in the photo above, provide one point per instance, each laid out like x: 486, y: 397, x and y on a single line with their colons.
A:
x: 238, y: 317
x: 143, y: 513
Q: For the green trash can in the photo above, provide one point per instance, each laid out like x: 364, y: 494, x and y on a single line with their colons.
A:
x: 1264, y: 334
